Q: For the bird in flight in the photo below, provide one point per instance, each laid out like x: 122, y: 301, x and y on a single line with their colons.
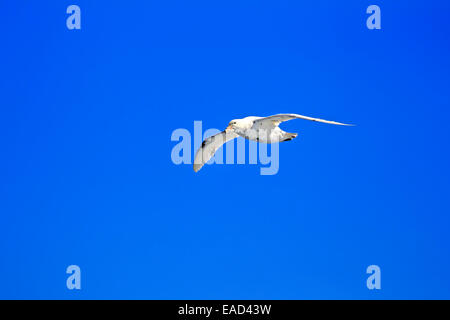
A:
x: 260, y: 129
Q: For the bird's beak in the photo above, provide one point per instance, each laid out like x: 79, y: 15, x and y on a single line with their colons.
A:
x: 229, y: 128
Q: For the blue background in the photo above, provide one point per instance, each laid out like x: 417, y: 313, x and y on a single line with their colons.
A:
x: 86, y: 175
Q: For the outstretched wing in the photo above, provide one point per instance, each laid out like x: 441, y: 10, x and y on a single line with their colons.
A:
x: 279, y: 118
x: 210, y: 146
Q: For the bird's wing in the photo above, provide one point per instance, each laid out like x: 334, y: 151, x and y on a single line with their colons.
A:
x: 210, y: 146
x: 279, y: 118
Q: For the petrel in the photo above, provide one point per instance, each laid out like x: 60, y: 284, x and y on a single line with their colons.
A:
x: 260, y: 129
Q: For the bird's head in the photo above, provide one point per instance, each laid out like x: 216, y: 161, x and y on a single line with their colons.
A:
x: 233, y: 124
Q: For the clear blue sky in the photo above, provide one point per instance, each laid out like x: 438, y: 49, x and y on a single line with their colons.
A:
x: 86, y: 176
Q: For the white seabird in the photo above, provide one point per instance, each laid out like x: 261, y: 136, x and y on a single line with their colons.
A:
x: 260, y: 129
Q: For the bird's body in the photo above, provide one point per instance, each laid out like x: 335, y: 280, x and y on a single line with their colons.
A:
x: 252, y: 128
x: 259, y: 129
